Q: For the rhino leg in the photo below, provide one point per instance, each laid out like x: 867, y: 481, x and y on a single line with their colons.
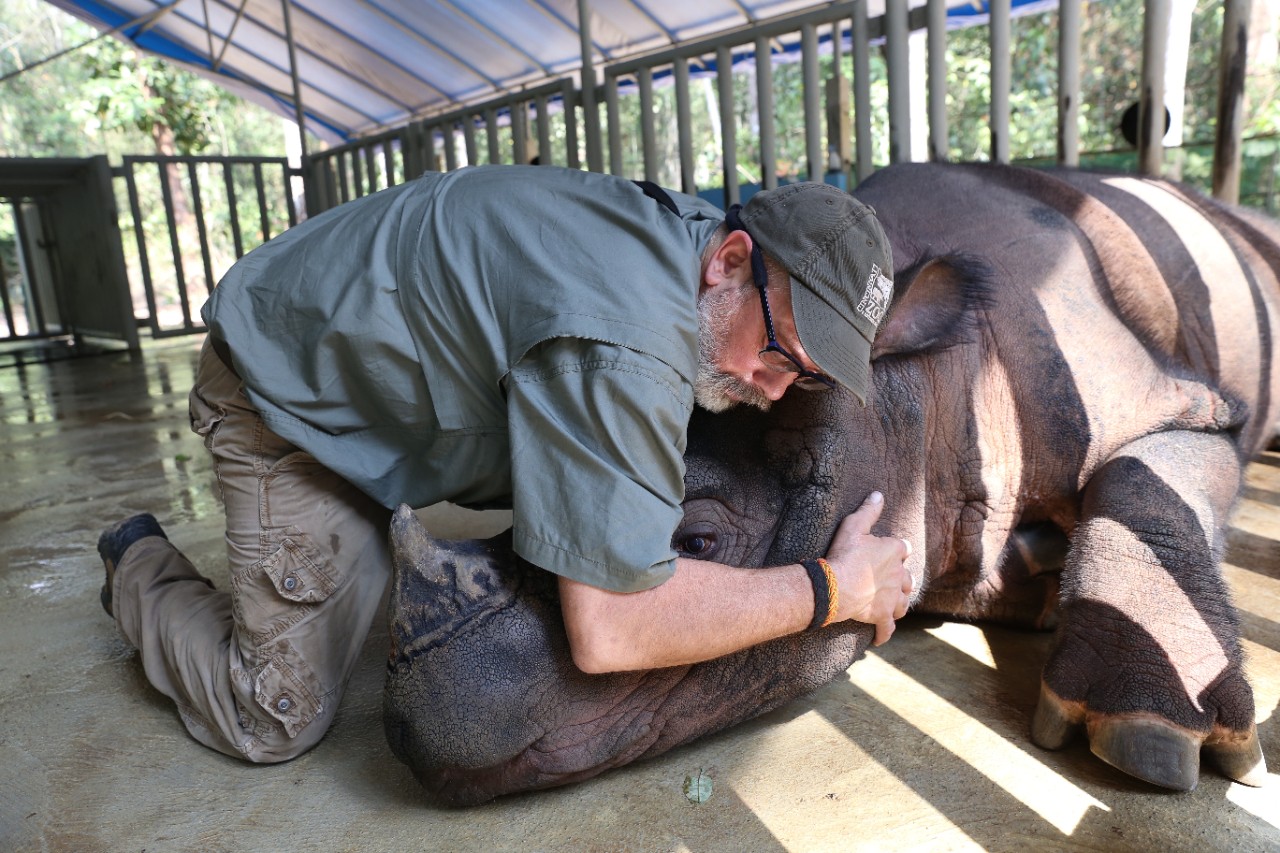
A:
x: 1147, y: 655
x: 482, y: 697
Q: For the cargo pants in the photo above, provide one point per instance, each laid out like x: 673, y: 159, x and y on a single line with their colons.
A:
x: 257, y: 671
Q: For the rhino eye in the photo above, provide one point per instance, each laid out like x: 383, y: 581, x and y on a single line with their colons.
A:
x: 697, y: 541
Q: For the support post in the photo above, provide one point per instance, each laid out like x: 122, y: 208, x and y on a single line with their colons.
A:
x: 860, y: 48
x: 309, y: 198
x: 1069, y: 83
x: 595, y: 154
x: 1155, y: 38
x: 1231, y: 73
x: 1001, y: 74
x: 939, y: 144
x: 895, y: 17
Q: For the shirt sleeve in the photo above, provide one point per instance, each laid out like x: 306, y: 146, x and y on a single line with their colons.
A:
x: 597, y: 453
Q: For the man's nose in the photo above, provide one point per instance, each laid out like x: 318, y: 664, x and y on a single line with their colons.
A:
x: 773, y: 384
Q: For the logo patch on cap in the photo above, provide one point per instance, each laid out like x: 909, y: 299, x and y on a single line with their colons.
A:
x: 876, y: 296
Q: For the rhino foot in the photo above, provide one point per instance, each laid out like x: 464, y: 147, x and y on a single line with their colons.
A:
x: 1148, y: 747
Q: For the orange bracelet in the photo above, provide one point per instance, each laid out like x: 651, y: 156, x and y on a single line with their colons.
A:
x: 833, y: 595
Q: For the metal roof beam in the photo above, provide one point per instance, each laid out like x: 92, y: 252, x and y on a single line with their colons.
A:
x: 462, y: 13
x: 431, y: 43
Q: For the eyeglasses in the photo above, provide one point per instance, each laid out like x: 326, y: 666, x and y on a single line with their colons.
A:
x: 773, y: 355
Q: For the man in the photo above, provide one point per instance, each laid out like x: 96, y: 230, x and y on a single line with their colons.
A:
x: 534, y: 337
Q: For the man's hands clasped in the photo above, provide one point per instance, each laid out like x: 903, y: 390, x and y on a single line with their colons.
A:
x: 874, y: 584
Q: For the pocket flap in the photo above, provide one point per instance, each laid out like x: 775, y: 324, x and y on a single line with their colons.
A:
x: 281, y: 692
x: 298, y: 571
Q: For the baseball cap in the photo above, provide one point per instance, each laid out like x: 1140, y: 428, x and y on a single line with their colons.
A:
x: 841, y: 269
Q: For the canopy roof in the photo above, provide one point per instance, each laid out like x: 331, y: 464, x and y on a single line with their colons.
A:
x: 366, y: 65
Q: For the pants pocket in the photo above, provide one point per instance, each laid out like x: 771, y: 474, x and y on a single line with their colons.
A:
x: 283, y: 688
x: 280, y: 590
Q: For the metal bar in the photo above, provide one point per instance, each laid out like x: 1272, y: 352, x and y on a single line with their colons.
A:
x: 684, y: 127
x: 1232, y: 62
x: 520, y: 134
x: 814, y: 148
x: 428, y: 41
x: 590, y: 110
x: 371, y: 168
x: 206, y: 256
x: 290, y: 208
x: 344, y: 192
x: 300, y: 115
x: 144, y: 20
x: 148, y: 287
x: 481, y: 25
x: 1069, y: 83
x: 646, y: 124
x: 431, y: 160
x: 896, y: 33
x: 4, y: 280
x: 389, y: 159
x: 469, y: 139
x: 937, y: 50
x: 208, y: 28
x: 184, y: 159
x: 46, y: 231
x: 451, y: 147
x: 1001, y: 74
x: 728, y: 129
x: 357, y: 173
x: 614, y: 121
x: 553, y: 88
x: 1155, y: 38
x: 570, y: 125
x: 179, y: 274
x: 764, y: 104
x: 330, y: 187
x: 491, y: 135
x: 226, y: 40
x: 545, y: 155
x: 262, y: 202
x: 26, y: 287
x: 228, y: 178
x: 744, y: 35
x: 839, y: 108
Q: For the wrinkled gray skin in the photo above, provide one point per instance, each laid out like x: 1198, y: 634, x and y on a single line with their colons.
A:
x: 1065, y: 393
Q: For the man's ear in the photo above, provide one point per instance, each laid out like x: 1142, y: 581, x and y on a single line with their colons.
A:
x: 730, y: 263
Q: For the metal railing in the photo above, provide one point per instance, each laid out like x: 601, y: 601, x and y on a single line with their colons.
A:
x: 29, y: 311
x: 191, y: 218
x: 500, y: 128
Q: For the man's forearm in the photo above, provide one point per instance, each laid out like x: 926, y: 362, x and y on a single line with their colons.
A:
x: 707, y: 610
x: 704, y: 611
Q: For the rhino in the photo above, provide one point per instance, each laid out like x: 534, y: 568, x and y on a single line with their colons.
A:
x: 1072, y: 375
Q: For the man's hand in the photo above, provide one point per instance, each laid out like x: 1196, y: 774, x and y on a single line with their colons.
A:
x: 873, y: 584
x: 708, y: 609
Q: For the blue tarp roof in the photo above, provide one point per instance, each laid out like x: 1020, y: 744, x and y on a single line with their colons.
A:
x: 366, y: 65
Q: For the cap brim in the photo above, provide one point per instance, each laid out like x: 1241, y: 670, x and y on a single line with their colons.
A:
x: 834, y: 344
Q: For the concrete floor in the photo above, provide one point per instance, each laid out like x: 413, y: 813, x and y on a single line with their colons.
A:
x: 923, y: 745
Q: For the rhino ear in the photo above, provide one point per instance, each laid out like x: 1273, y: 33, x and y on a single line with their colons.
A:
x: 936, y: 305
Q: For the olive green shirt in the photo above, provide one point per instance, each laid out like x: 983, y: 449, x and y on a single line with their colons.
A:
x: 498, y: 335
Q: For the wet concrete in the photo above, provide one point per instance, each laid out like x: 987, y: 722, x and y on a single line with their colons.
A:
x: 923, y: 745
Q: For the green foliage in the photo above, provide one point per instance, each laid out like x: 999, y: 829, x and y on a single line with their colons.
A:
x: 108, y: 97
x: 129, y: 89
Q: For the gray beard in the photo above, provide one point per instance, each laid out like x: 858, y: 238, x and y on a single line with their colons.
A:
x: 713, y: 390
